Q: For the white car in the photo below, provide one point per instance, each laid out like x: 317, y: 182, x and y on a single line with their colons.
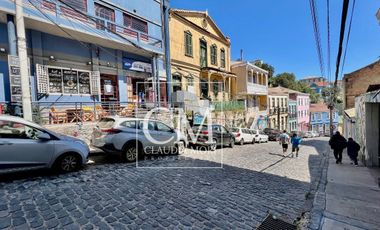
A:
x: 25, y: 145
x: 134, y: 137
x: 260, y: 136
x: 243, y: 135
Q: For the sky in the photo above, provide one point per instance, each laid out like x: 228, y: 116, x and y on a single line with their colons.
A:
x: 280, y: 32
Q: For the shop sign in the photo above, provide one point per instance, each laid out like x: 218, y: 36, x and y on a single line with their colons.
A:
x: 198, y: 119
x: 57, y: 80
x: 139, y: 66
x: 15, y: 78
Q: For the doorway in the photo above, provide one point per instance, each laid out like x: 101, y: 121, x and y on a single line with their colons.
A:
x: 109, y: 88
x: 204, y: 88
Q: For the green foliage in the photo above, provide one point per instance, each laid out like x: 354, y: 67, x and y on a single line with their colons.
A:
x: 268, y: 68
x: 229, y: 106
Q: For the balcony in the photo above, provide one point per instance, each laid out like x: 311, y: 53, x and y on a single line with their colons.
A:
x: 44, y: 15
x: 253, y: 88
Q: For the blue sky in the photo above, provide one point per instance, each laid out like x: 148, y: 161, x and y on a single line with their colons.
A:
x: 280, y: 32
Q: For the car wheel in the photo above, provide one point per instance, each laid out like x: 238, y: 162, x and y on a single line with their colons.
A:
x: 69, y: 162
x: 232, y: 143
x: 180, y: 148
x: 212, y: 147
x: 131, y: 152
x: 242, y: 141
x: 253, y: 141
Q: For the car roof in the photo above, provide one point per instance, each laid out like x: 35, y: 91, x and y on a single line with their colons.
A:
x: 117, y: 118
x: 19, y: 120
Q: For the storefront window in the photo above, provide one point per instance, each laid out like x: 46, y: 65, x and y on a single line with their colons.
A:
x: 84, y: 82
x: 68, y: 81
x: 55, y: 80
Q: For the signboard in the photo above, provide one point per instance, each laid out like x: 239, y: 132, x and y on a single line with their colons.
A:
x: 139, y: 66
x: 15, y: 78
x: 198, y: 119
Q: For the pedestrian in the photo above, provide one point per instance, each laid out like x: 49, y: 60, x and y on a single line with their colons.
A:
x: 353, y: 150
x: 296, y: 141
x: 338, y: 143
x: 284, y: 141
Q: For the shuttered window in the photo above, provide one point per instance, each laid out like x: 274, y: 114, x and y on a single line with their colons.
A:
x: 188, y: 44
x: 135, y: 23
x: 214, y: 55
x: 80, y: 5
x: 222, y: 58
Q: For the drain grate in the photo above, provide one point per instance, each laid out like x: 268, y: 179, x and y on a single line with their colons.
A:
x: 271, y: 223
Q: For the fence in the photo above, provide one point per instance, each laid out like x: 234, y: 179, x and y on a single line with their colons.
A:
x: 76, y: 112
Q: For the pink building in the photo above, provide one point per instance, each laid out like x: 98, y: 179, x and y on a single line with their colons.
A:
x: 303, y: 107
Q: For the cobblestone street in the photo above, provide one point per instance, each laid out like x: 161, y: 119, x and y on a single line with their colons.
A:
x: 252, y: 181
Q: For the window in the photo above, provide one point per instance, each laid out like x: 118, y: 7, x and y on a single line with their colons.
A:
x: 188, y: 44
x: 130, y: 124
x: 222, y: 58
x: 14, y: 130
x: 107, y: 14
x: 215, y: 86
x: 203, y: 53
x: 80, y: 5
x: 135, y: 23
x: 177, y: 82
x: 68, y: 81
x: 149, y: 125
x: 190, y: 81
x: 214, y: 55
x: 163, y: 128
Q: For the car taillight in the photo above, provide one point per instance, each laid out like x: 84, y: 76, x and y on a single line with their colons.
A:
x: 111, y: 131
x: 205, y: 132
x: 238, y: 135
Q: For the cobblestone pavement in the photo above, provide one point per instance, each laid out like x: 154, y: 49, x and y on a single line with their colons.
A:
x: 253, y: 180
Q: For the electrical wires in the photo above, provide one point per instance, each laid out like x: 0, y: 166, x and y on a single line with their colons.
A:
x: 317, y: 35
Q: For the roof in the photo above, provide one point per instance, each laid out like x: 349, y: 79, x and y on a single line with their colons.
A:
x: 319, y: 107
x: 351, y: 113
x: 183, y: 13
x: 320, y: 84
x: 310, y: 77
x: 283, y: 90
x: 240, y: 63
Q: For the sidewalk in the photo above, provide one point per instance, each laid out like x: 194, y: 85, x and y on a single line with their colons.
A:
x: 352, y: 197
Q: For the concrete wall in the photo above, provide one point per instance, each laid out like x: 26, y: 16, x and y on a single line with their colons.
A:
x: 372, y: 133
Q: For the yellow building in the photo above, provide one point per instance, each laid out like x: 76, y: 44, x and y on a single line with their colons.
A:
x: 200, y: 59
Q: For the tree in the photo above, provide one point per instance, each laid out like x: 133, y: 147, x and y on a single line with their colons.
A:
x: 266, y: 67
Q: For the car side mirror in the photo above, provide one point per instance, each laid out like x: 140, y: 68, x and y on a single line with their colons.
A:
x: 43, y: 136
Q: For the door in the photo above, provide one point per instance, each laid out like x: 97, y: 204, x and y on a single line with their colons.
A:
x: 217, y: 134
x: 149, y: 136
x: 203, y: 53
x: 226, y: 135
x: 204, y: 88
x: 20, y: 147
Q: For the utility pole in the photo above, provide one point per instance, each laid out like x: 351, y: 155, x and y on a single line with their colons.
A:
x: 165, y: 10
x: 23, y: 58
x: 331, y: 108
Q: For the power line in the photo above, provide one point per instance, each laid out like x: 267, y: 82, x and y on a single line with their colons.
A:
x: 317, y: 36
x: 328, y: 43
x: 341, y: 37
x: 348, y: 37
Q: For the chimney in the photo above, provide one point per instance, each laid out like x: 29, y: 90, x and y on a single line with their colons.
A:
x: 241, y: 54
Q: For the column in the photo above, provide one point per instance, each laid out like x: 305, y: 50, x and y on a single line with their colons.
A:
x: 209, y: 84
x: 11, y: 35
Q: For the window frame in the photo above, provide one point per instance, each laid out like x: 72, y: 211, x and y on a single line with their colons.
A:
x: 214, y: 54
x: 223, y: 58
x: 188, y: 42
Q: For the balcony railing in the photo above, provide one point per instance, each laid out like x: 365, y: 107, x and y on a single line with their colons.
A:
x: 229, y: 106
x: 88, y: 22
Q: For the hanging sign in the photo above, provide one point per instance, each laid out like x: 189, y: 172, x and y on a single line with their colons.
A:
x: 15, y: 78
x: 131, y: 64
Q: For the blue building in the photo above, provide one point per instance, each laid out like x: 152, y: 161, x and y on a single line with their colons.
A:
x: 85, y: 50
x: 320, y: 118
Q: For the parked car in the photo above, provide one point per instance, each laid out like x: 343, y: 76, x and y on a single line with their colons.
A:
x: 315, y: 134
x: 273, y: 134
x: 243, y: 136
x: 260, y: 136
x: 134, y: 137
x: 25, y: 145
x: 308, y: 134
x: 220, y: 135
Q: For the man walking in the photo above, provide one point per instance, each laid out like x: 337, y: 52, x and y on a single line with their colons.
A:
x: 296, y: 141
x: 284, y: 141
x: 338, y: 143
x: 353, y: 150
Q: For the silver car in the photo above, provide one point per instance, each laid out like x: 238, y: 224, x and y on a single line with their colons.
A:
x: 25, y: 145
x: 134, y: 137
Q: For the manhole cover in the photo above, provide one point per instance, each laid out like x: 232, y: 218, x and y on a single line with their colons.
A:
x: 271, y: 223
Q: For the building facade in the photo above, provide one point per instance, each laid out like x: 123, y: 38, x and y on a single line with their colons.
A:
x: 252, y: 87
x: 320, y: 119
x: 278, y: 109
x: 312, y: 79
x: 200, y: 60
x: 292, y: 115
x: 105, y: 49
x: 357, y: 83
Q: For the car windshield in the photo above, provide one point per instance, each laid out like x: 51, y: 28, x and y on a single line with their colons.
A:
x: 106, y: 123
